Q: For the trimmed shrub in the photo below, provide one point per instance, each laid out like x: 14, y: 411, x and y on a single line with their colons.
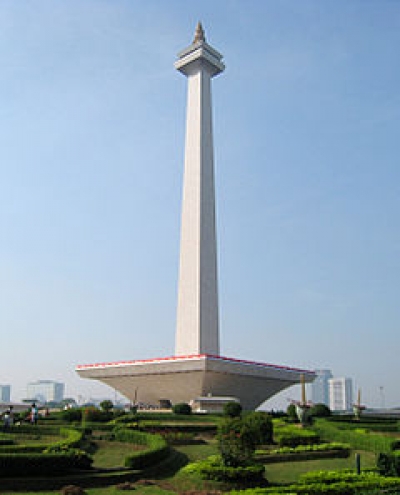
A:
x: 4, y: 440
x: 388, y: 464
x: 70, y: 415
x: 213, y: 468
x: 35, y: 429
x: 72, y: 439
x: 287, y: 435
x: 292, y: 440
x: 106, y: 405
x: 124, y: 419
x: 182, y: 408
x: 319, y: 447
x: 92, y: 414
x: 304, y: 453
x: 232, y: 409
x: 292, y: 414
x: 159, y: 427
x: 331, y: 483
x: 123, y: 434
x: 157, y: 448
x: 43, y: 464
x: 177, y: 437
x: 171, y: 417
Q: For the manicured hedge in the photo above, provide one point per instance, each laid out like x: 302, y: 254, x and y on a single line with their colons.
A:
x: 94, y: 415
x: 177, y: 437
x: 370, y: 423
x: 365, y: 418
x: 72, y: 439
x: 166, y: 417
x: 153, y: 426
x: 89, y: 426
x: 291, y: 435
x: 304, y: 453
x: 389, y: 464
x: 358, y: 439
x: 34, y: 429
x: 43, y: 464
x: 54, y: 458
x: 22, y: 449
x: 304, y: 456
x: 182, y: 409
x: 331, y: 485
x: 157, y: 448
x: 6, y: 440
x: 307, y: 448
x: 213, y: 468
x: 333, y: 476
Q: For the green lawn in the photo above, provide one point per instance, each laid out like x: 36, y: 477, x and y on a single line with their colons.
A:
x: 112, y: 454
x: 168, y: 478
x: 289, y: 472
x: 197, y: 452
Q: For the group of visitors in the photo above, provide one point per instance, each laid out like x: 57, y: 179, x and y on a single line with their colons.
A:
x: 8, y: 416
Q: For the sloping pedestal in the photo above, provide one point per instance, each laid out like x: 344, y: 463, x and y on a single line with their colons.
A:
x: 183, y: 378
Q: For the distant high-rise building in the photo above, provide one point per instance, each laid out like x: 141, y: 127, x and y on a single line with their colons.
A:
x: 320, y: 387
x: 340, y: 394
x: 45, y: 391
x: 5, y: 393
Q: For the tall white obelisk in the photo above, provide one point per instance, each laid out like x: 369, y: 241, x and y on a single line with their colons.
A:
x: 197, y: 329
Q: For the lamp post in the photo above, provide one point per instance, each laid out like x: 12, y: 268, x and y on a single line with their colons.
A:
x: 357, y: 407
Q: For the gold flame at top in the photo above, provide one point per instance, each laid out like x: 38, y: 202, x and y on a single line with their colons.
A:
x: 199, y: 33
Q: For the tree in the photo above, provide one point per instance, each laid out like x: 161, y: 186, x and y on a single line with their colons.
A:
x: 291, y: 412
x: 260, y: 423
x: 320, y: 411
x: 106, y: 405
x: 238, y: 437
x: 69, y: 402
x: 235, y: 442
x: 232, y: 409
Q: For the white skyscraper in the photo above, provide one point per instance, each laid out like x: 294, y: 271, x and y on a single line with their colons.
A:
x: 45, y: 391
x: 340, y: 394
x: 320, y: 387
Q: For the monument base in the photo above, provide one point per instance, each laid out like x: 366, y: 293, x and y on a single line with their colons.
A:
x: 183, y: 378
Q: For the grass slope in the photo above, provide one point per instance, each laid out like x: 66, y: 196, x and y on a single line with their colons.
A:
x: 112, y: 454
x: 289, y: 472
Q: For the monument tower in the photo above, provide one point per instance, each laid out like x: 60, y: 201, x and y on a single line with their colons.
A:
x: 197, y: 369
x: 197, y: 329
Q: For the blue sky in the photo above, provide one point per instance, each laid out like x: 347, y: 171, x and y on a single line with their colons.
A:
x: 306, y: 123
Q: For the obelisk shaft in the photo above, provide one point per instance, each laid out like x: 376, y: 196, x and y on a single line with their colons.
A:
x: 197, y: 317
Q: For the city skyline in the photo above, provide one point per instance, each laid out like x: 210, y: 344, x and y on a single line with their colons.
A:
x: 306, y: 177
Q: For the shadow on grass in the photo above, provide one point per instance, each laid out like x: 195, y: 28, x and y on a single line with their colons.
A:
x: 169, y: 467
x: 89, y: 446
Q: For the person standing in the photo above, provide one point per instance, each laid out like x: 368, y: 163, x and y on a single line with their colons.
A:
x: 8, y: 418
x: 34, y: 414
